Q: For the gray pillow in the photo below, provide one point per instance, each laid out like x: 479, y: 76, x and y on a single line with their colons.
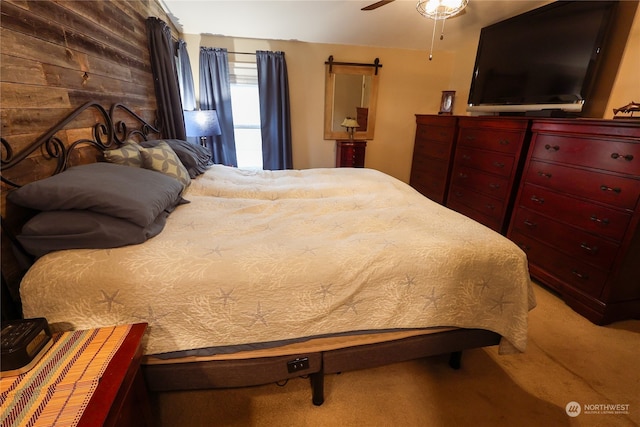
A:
x: 134, y: 194
x: 194, y: 157
x: 57, y: 230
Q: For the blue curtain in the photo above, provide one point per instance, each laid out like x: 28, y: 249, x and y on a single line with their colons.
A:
x: 273, y: 90
x: 215, y: 94
x: 165, y: 77
x: 185, y: 77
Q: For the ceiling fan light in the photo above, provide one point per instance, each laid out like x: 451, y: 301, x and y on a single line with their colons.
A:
x: 440, y: 9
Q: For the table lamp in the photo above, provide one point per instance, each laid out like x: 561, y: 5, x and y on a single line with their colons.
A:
x: 350, y: 124
x: 201, y: 124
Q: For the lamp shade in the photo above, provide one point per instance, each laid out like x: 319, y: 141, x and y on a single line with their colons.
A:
x: 201, y: 123
x: 349, y: 123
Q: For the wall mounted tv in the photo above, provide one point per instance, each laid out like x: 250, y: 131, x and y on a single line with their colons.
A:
x: 541, y: 61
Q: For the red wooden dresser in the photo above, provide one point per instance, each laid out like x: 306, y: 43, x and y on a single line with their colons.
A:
x: 432, y: 154
x: 350, y: 153
x: 486, y: 168
x: 577, y: 214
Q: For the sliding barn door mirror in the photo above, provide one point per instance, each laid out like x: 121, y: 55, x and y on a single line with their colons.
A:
x: 351, y: 91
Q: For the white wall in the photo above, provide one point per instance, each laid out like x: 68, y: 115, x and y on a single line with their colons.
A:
x: 409, y: 84
x: 627, y: 84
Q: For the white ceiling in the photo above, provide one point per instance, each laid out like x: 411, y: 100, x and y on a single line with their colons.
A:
x: 395, y: 25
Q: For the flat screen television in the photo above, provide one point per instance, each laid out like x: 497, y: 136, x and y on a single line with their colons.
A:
x: 542, y: 60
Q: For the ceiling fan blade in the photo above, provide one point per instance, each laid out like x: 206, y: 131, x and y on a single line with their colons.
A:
x: 376, y: 5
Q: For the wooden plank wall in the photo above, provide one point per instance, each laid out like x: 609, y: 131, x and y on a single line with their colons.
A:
x: 56, y: 55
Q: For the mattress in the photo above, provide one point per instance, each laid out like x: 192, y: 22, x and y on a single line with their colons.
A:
x: 260, y: 258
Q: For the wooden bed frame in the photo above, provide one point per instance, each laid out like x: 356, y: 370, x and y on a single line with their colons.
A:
x: 102, y: 130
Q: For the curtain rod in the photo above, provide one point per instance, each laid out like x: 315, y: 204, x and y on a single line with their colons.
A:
x: 242, y: 53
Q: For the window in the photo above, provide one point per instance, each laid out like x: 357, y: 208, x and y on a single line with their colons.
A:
x: 246, y: 114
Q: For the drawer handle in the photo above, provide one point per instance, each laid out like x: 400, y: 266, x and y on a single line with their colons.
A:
x: 466, y: 157
x: 591, y: 250
x: 470, y: 137
x: 595, y: 218
x: 537, y: 200
x: 498, y: 164
x: 627, y: 157
x: 552, y: 147
x: 544, y: 174
x: 580, y: 275
x: 494, y: 186
x: 490, y: 207
x: 463, y: 175
x: 503, y: 142
x: 606, y: 188
x: 458, y: 194
x: 530, y: 224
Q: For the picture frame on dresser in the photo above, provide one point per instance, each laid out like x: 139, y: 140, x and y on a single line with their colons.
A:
x: 446, y: 102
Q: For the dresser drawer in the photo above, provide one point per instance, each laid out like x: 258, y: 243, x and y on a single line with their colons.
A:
x: 435, y: 133
x: 429, y: 177
x: 430, y: 167
x: 501, y: 164
x: 484, y: 183
x: 612, y: 189
x: 585, y: 215
x: 584, y: 246
x: 495, y: 140
x: 579, y: 275
x: 486, y: 205
x: 434, y: 190
x: 432, y: 149
x: 428, y: 183
x: 489, y: 220
x: 608, y: 154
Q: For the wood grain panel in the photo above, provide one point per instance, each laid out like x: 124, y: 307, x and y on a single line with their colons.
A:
x: 28, y: 47
x: 60, y: 23
x: 24, y: 124
x: 20, y: 70
x: 22, y: 96
x: 56, y: 55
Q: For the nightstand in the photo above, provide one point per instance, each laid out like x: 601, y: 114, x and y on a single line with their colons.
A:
x: 350, y: 153
x: 86, y: 378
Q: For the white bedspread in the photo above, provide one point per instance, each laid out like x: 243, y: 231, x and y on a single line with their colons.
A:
x: 265, y: 256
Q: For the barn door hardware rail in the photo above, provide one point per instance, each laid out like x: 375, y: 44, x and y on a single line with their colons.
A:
x: 376, y: 64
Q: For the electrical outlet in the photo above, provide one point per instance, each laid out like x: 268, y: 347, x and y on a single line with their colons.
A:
x: 298, y: 364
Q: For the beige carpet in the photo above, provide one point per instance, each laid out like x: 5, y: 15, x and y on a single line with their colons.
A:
x: 567, y: 359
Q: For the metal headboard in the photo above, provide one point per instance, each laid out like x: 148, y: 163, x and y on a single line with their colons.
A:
x: 106, y: 134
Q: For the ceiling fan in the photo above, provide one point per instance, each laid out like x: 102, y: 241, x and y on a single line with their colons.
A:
x: 376, y: 5
x: 438, y: 10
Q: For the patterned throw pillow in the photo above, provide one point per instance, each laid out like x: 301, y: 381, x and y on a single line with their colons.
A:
x: 127, y: 155
x: 163, y: 159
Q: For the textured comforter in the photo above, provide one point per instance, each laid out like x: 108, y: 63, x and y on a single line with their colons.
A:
x: 268, y: 256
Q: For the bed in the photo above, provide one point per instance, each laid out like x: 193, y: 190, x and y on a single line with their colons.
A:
x: 261, y: 276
